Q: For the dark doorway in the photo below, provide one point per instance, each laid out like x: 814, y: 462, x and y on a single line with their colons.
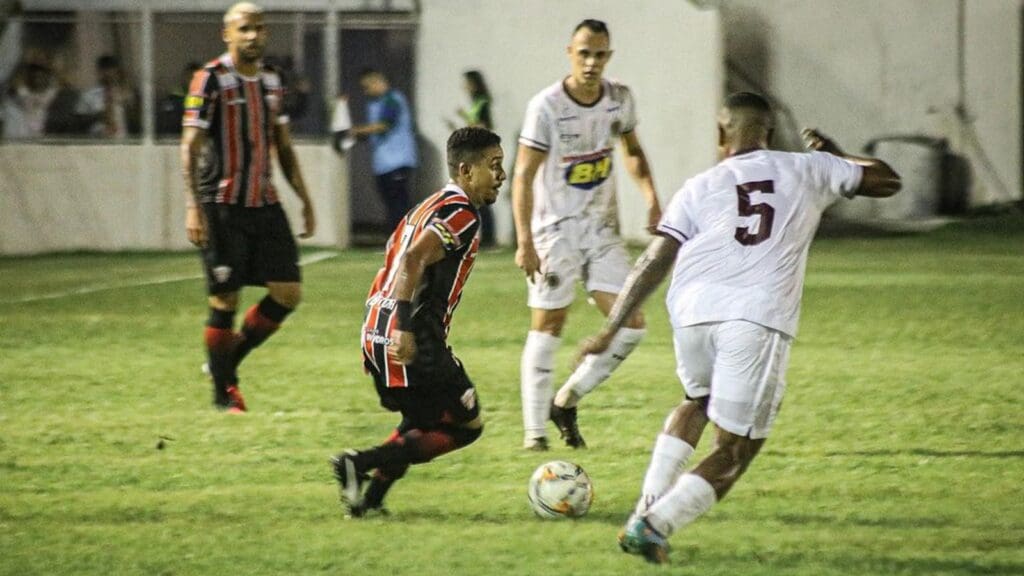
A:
x: 390, y: 50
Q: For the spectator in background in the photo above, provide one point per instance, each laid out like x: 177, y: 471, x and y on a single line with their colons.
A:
x: 26, y: 103
x: 479, y: 112
x: 111, y: 106
x: 390, y: 131
x: 171, y: 107
x: 478, y: 115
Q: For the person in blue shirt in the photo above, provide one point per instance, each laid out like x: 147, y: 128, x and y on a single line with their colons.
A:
x: 390, y: 131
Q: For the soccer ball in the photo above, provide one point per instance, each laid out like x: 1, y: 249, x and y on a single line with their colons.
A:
x: 560, y: 489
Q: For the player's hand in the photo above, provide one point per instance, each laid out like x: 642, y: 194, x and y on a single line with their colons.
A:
x: 528, y: 261
x: 814, y: 140
x: 195, y: 225
x: 309, y: 218
x: 402, y: 347
x: 653, y: 218
x: 593, y: 345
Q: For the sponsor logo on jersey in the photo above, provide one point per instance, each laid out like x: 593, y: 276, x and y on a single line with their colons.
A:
x: 586, y: 172
x: 447, y: 238
x: 469, y: 399
x: 221, y: 273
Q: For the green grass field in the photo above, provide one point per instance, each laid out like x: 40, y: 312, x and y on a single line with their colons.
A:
x: 900, y: 448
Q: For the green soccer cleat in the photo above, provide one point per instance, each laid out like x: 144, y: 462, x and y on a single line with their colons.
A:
x: 638, y: 537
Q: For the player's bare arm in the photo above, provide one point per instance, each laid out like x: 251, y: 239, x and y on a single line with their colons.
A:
x: 640, y: 170
x: 290, y: 166
x: 648, y: 272
x: 879, y: 179
x: 370, y: 129
x: 427, y: 250
x: 528, y: 161
x: 192, y: 140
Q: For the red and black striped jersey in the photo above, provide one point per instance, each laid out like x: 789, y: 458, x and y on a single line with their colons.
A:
x: 449, y: 214
x: 239, y: 114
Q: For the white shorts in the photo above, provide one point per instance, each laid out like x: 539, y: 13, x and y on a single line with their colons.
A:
x: 741, y: 365
x: 577, y: 249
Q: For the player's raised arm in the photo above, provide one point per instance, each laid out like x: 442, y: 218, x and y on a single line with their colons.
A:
x: 638, y: 167
x: 290, y: 167
x: 427, y: 250
x: 528, y: 161
x: 879, y: 179
x: 192, y: 140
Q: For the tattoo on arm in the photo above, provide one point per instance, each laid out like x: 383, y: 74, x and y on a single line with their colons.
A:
x: 648, y: 272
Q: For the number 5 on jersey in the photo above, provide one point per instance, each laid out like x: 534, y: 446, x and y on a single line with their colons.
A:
x: 764, y: 210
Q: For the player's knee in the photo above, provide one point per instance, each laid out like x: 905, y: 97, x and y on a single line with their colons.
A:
x: 636, y: 321
x: 466, y: 436
x: 224, y: 301
x: 287, y: 295
x: 549, y: 321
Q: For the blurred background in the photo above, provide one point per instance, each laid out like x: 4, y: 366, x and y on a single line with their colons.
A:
x: 933, y: 86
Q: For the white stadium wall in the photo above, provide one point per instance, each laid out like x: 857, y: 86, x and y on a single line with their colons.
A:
x: 667, y: 51
x: 110, y: 197
x: 870, y: 68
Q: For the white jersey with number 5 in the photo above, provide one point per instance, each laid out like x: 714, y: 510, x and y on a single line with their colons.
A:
x: 746, y: 226
x: 576, y: 178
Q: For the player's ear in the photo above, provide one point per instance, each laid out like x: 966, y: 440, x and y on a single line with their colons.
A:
x: 465, y: 169
x: 610, y: 54
x: 770, y: 136
x: 224, y: 33
x: 721, y: 135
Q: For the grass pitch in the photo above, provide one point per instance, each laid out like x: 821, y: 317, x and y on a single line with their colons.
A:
x: 900, y: 448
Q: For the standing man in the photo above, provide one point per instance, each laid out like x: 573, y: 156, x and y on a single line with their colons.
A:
x: 232, y: 119
x: 389, y: 128
x: 408, y: 314
x: 563, y: 197
x: 738, y: 234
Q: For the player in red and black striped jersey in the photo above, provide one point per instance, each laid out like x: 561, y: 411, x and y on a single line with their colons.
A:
x: 232, y: 119
x: 408, y: 315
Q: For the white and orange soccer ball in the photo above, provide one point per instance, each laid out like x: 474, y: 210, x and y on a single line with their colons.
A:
x: 560, y: 489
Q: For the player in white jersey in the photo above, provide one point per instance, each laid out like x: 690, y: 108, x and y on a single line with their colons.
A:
x: 738, y: 235
x: 563, y: 196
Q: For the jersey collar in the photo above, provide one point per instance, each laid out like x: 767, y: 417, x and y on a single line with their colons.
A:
x: 230, y: 63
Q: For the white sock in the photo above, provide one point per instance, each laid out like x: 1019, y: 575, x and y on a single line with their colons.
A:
x: 536, y: 370
x: 596, y: 368
x: 684, y: 503
x: 669, y: 456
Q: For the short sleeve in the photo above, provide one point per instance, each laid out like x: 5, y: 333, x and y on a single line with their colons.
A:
x: 834, y: 175
x: 536, y: 131
x: 201, y: 100
x: 277, y: 93
x: 629, y: 119
x: 456, y: 225
x: 676, y: 221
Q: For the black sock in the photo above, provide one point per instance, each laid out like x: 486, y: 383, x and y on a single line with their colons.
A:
x: 381, y: 482
x: 261, y: 321
x: 220, y: 343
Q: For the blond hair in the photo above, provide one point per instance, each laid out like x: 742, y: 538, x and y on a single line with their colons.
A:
x: 241, y: 9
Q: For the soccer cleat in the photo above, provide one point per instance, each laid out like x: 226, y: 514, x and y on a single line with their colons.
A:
x: 350, y: 481
x: 236, y: 402
x: 638, y: 537
x: 367, y: 512
x: 539, y: 444
x: 565, y: 420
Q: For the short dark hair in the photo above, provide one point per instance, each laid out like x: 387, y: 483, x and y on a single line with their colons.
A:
x: 750, y: 100
x: 465, y: 145
x: 369, y: 71
x: 595, y: 26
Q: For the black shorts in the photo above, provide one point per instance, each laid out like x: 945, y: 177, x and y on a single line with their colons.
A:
x: 439, y: 391
x: 248, y: 247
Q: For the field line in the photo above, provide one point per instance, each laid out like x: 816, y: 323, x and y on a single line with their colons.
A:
x: 311, y: 259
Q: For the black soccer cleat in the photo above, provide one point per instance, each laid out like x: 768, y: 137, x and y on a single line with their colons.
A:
x: 364, y: 510
x: 565, y: 420
x: 350, y: 482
